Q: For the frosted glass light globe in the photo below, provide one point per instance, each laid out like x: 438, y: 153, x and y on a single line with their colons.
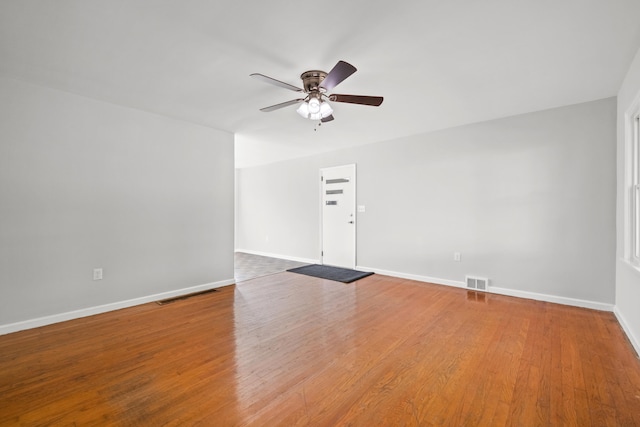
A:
x: 303, y: 110
x: 325, y: 110
x: 314, y: 105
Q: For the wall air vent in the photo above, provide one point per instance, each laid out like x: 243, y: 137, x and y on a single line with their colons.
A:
x: 477, y: 283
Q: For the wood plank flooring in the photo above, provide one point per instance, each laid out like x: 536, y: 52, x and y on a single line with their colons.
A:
x: 294, y: 350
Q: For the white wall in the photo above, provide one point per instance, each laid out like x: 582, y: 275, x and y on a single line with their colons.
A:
x: 627, y: 277
x: 87, y: 184
x: 528, y: 200
x: 277, y: 209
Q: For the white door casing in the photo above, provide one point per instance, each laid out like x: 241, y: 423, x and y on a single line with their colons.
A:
x: 338, y: 224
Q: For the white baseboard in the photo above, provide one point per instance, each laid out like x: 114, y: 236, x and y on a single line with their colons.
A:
x: 416, y: 277
x: 90, y: 311
x: 601, y: 306
x: 635, y: 342
x: 502, y: 291
x: 287, y: 257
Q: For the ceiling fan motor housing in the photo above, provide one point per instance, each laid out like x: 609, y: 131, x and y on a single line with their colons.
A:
x: 311, y: 80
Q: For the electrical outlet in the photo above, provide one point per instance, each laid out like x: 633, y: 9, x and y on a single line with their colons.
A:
x: 97, y: 274
x: 457, y: 257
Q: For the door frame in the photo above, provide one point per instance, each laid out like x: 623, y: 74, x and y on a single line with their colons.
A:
x: 355, y: 213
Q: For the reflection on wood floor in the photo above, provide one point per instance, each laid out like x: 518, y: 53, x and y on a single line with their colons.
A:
x: 288, y: 349
x: 249, y: 266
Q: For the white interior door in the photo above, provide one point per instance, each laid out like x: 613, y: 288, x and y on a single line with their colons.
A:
x: 339, y: 216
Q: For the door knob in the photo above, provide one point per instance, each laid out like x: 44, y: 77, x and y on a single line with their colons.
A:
x: 350, y: 222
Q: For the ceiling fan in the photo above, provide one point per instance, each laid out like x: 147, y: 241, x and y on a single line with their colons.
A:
x: 316, y: 84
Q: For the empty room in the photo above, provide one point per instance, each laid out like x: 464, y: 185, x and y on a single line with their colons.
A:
x: 357, y: 213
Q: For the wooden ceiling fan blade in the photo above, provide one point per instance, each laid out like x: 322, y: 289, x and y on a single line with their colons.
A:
x: 327, y: 119
x: 337, y: 75
x: 281, y: 105
x: 275, y: 82
x: 374, y: 101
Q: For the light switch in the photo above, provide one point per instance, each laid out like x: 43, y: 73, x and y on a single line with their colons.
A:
x: 361, y: 208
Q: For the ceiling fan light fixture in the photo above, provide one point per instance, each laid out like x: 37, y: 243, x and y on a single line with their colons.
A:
x: 303, y: 110
x: 325, y: 110
x: 315, y: 116
x: 314, y: 106
x: 314, y: 109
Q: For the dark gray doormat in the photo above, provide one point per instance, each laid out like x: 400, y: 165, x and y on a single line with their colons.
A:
x: 338, y: 274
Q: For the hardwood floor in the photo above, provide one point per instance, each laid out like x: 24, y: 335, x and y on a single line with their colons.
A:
x: 289, y: 350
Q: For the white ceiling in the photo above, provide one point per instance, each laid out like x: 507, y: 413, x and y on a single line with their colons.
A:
x: 437, y: 63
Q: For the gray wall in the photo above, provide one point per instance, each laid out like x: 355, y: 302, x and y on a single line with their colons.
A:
x: 528, y: 200
x: 87, y: 184
x: 627, y: 276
